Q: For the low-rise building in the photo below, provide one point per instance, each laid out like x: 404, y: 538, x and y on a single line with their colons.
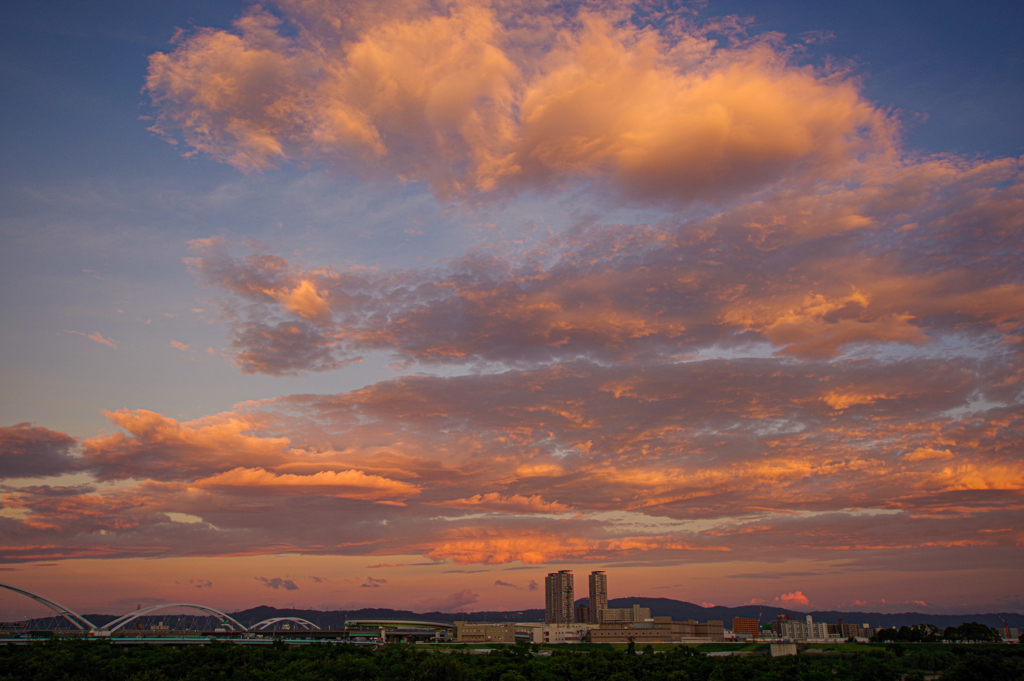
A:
x: 641, y: 634
x: 658, y: 630
x: 634, y: 614
x: 857, y: 631
x: 800, y: 630
x: 485, y: 633
x: 746, y: 625
x: 809, y: 630
x: 557, y: 633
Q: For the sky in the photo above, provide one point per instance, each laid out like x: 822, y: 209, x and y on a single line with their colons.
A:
x: 329, y: 304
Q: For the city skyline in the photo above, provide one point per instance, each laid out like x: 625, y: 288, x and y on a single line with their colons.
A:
x: 341, y: 303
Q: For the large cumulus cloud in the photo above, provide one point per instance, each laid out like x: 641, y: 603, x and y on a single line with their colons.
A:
x: 473, y: 97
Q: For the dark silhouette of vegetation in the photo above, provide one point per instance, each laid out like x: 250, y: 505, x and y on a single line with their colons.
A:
x: 968, y: 632
x: 89, y: 660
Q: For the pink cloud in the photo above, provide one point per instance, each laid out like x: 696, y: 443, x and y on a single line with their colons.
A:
x: 179, y: 346
x: 97, y: 337
x: 793, y: 598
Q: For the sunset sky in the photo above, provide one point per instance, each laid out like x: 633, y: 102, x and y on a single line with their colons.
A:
x: 331, y: 304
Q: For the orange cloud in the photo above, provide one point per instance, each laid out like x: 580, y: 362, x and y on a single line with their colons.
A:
x: 793, y: 598
x: 161, y: 447
x: 514, y: 503
x: 490, y: 548
x: 533, y: 469
x: 450, y: 98
x: 350, y: 484
x: 697, y: 122
x: 928, y: 454
x: 305, y: 301
x: 844, y: 400
x: 978, y: 476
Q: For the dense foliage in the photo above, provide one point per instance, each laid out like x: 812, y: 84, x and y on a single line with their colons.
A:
x: 928, y: 633
x: 69, y: 660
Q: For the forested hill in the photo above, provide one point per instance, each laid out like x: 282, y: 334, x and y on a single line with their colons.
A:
x: 665, y: 607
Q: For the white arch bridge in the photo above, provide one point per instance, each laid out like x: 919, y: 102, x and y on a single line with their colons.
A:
x: 224, y: 621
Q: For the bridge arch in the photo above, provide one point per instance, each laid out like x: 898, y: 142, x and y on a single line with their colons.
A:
x: 69, y: 614
x: 270, y: 624
x: 123, y: 620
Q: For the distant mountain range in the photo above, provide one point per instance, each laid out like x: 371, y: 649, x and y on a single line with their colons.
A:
x: 677, y: 610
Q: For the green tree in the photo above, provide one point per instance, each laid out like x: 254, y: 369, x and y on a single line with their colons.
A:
x: 441, y: 667
x: 512, y: 675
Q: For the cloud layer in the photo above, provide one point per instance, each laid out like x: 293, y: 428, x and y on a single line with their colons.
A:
x: 912, y: 254
x: 739, y: 457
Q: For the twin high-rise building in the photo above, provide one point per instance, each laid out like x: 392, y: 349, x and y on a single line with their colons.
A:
x: 559, y: 597
x: 598, y: 595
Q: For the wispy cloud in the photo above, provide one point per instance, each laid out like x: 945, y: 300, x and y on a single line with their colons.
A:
x: 95, y: 336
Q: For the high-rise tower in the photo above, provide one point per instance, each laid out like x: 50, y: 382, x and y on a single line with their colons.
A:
x: 598, y: 595
x: 558, y: 598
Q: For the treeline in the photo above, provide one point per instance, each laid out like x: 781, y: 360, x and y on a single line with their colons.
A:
x: 85, y: 660
x: 929, y: 633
